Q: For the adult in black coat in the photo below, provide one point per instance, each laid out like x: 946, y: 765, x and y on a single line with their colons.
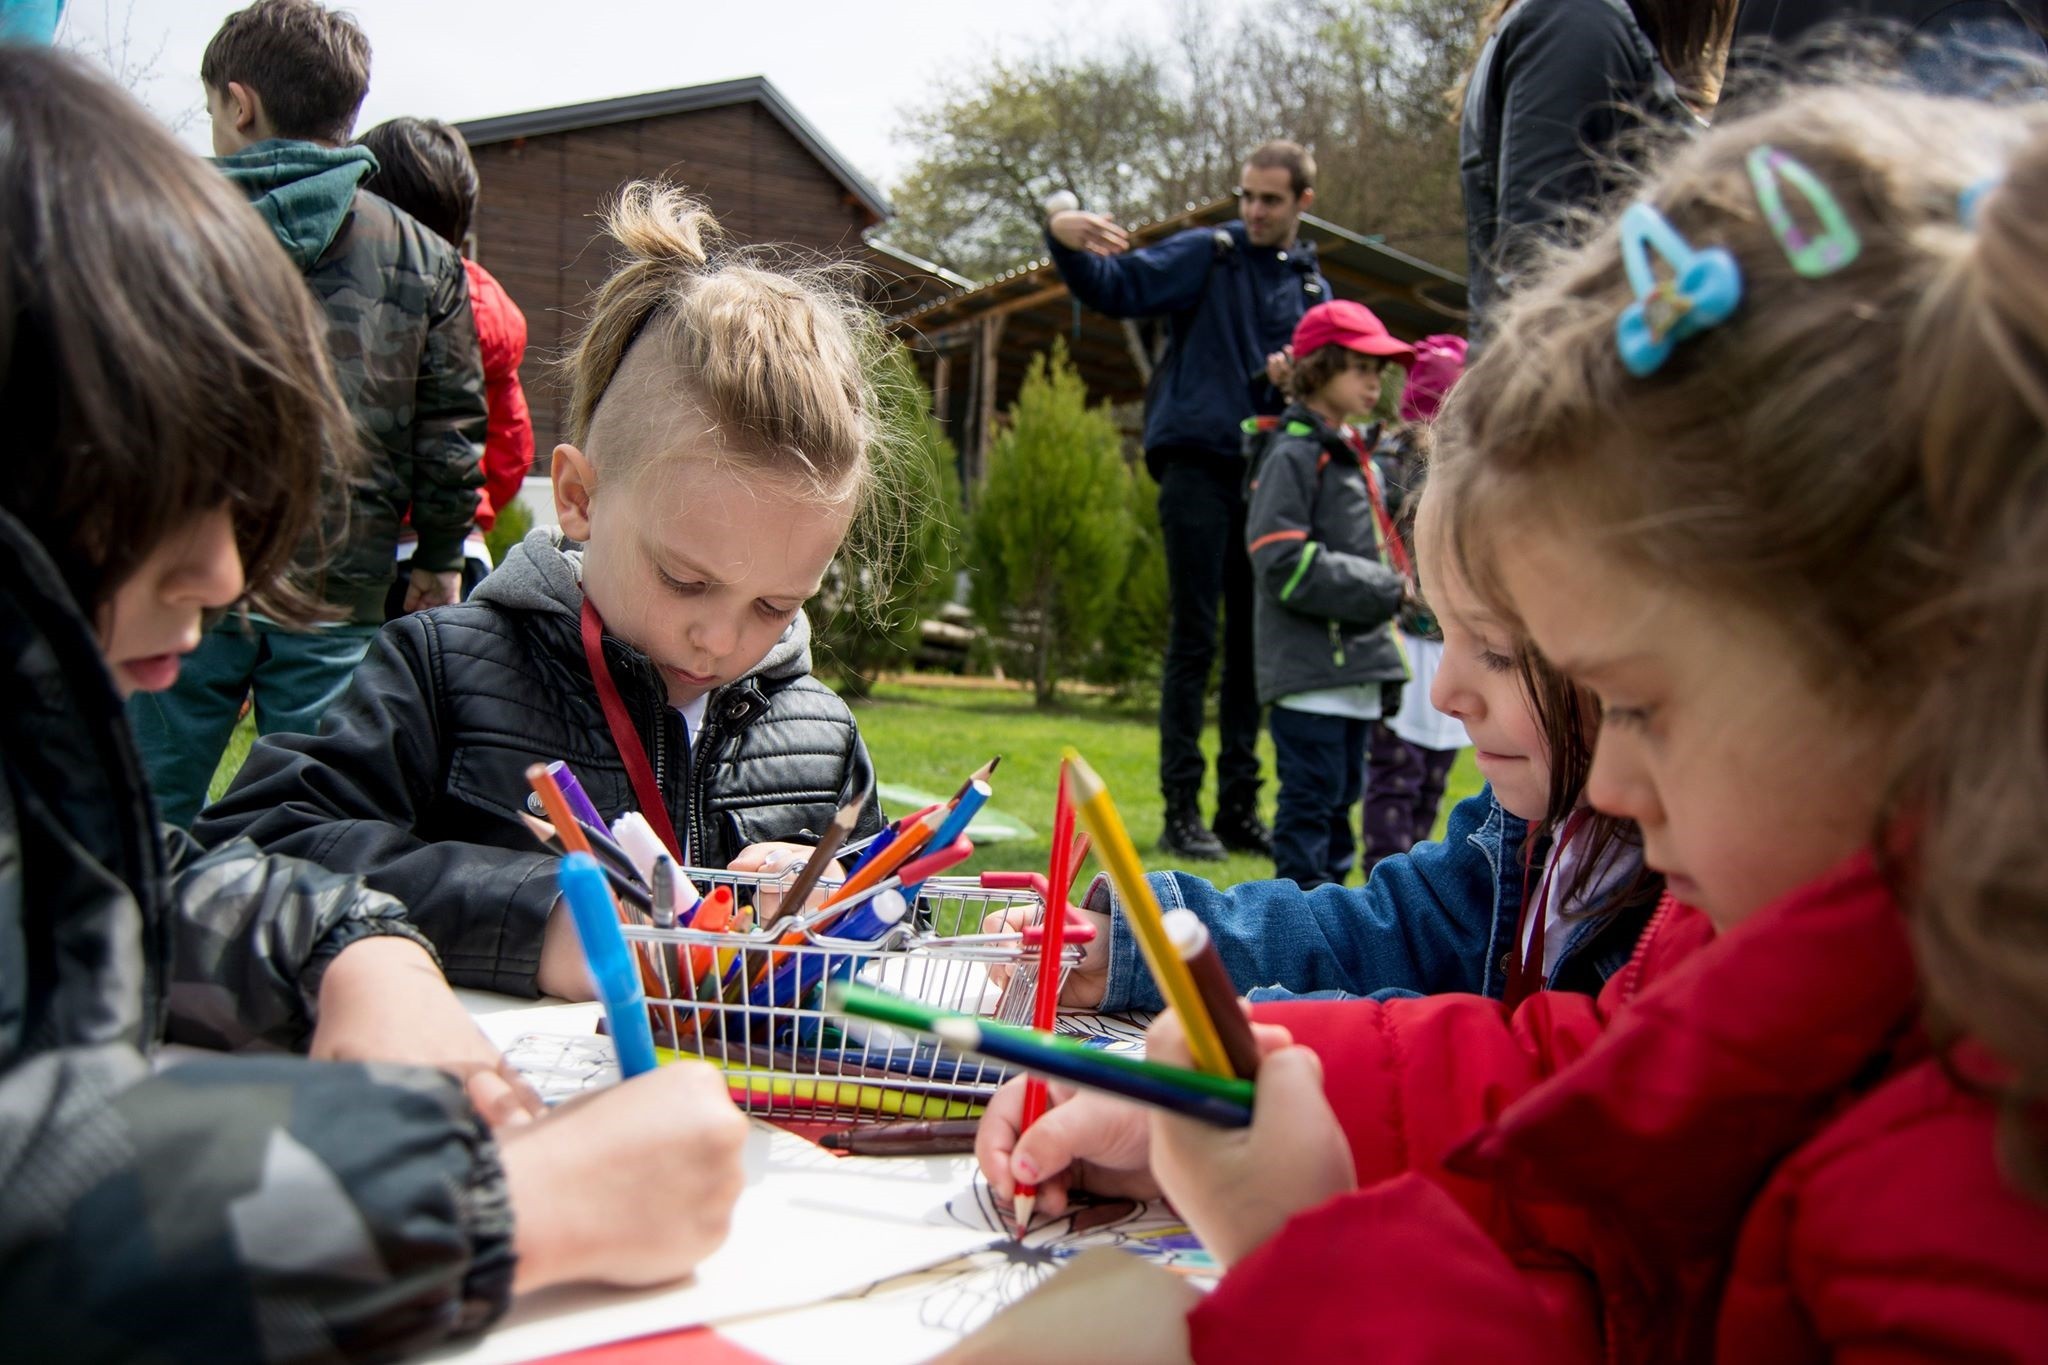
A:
x: 1557, y: 90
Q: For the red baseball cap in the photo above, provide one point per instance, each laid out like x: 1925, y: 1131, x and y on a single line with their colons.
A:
x: 1352, y: 326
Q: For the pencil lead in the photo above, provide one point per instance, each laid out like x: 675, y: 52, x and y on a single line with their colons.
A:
x: 986, y: 770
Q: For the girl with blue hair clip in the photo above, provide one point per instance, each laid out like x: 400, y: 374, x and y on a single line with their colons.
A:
x: 1778, y: 497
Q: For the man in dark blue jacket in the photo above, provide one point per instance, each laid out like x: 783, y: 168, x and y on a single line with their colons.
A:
x: 1231, y: 296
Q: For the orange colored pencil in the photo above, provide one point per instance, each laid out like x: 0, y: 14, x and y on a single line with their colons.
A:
x: 571, y: 835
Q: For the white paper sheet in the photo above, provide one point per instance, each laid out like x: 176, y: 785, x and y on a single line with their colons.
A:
x: 809, y: 1225
x: 918, y: 1315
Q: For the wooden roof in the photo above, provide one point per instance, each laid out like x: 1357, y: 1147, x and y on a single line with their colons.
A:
x: 683, y: 100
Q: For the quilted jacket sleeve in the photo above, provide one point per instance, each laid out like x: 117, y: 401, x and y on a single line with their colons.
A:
x: 251, y: 936
x: 351, y: 795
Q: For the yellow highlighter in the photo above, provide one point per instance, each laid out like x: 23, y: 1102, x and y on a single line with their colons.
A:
x: 1113, y: 846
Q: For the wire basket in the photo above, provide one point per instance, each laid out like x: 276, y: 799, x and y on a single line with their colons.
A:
x: 765, y: 1026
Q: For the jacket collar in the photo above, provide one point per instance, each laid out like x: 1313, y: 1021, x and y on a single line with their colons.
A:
x: 541, y: 575
x: 303, y: 190
x: 1725, y: 1059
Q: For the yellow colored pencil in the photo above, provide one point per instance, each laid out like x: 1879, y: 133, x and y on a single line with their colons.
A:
x: 1113, y: 847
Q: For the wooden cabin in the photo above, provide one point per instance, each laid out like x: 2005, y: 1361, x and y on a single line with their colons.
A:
x: 764, y: 170
x: 973, y: 346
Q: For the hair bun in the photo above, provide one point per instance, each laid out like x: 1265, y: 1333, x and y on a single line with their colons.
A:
x: 660, y: 224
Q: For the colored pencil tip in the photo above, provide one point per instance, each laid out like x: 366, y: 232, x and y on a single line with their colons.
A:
x: 986, y: 770
x: 1026, y: 1205
x: 849, y: 815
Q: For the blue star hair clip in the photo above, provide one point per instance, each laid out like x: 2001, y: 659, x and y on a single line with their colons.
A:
x: 1701, y: 292
x: 1815, y: 255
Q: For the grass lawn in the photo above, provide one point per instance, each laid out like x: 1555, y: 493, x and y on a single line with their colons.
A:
x: 930, y: 734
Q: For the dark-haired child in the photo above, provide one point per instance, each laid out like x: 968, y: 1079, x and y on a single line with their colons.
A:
x: 283, y: 80
x: 1325, y: 592
x: 424, y: 167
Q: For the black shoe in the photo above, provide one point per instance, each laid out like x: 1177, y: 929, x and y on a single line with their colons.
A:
x: 1187, y: 837
x: 1242, y: 830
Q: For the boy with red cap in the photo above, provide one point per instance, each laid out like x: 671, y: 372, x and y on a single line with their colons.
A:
x: 1325, y: 589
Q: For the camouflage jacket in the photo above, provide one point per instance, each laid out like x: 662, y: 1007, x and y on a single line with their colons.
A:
x: 223, y: 1208
x: 403, y: 342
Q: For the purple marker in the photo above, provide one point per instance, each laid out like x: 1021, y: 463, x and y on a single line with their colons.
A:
x: 572, y: 790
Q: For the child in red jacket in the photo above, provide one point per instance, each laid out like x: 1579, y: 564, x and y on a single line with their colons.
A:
x: 1761, y: 465
x: 424, y: 167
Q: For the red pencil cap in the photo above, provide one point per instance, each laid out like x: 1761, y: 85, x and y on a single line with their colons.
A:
x: 1352, y: 326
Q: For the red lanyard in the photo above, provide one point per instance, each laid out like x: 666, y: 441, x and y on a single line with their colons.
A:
x: 1525, y: 975
x: 638, y: 770
x: 1390, y: 542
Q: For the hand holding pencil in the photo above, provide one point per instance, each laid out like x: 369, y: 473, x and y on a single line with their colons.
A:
x: 1238, y: 1186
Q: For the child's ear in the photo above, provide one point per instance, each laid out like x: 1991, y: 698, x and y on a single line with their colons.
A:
x: 575, y: 482
x: 243, y: 108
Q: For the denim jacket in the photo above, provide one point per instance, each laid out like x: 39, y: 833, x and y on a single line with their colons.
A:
x: 1441, y: 917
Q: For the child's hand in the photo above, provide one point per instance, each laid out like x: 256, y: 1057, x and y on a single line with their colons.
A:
x: 773, y: 860
x: 1088, y: 980
x: 383, y: 1000
x: 633, y: 1185
x: 428, y: 589
x: 563, y: 971
x: 1084, y: 1141
x: 1238, y: 1186
x: 1279, y: 365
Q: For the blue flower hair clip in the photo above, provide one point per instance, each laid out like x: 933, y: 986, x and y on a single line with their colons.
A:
x: 1971, y: 200
x: 1702, y: 292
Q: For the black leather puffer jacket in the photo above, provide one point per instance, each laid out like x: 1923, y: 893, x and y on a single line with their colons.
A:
x: 418, y: 775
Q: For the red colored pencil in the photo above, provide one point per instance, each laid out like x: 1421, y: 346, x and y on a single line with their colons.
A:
x: 1046, y: 996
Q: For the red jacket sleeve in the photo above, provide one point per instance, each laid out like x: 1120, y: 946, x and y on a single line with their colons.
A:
x: 1393, y: 1273
x: 508, y: 444
x: 1412, y: 1079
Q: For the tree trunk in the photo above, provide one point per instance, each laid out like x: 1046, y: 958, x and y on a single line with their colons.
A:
x: 1042, y: 681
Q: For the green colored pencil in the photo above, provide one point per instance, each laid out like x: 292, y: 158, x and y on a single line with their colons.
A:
x: 868, y: 1003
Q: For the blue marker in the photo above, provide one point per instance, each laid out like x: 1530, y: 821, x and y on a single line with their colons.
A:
x: 790, y: 981
x: 611, y: 962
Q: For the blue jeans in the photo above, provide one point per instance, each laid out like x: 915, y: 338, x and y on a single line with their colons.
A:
x: 1321, y: 762
x: 293, y: 675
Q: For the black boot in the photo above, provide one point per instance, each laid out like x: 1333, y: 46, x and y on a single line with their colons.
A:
x: 1238, y: 827
x: 1186, y: 836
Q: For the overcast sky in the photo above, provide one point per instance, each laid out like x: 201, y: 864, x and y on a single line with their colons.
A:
x: 849, y: 66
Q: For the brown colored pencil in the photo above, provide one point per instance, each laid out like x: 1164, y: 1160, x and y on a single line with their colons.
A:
x: 1190, y: 938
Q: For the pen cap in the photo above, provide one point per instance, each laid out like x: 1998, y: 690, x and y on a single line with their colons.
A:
x: 1186, y: 932
x: 641, y: 843
x: 597, y: 928
x: 572, y: 792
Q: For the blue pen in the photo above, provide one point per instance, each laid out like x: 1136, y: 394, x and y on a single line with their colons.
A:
x: 611, y: 963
